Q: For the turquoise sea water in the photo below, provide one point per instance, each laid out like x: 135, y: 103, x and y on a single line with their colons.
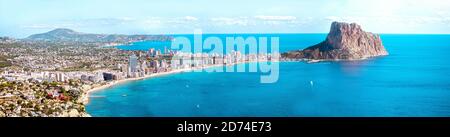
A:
x: 414, y: 80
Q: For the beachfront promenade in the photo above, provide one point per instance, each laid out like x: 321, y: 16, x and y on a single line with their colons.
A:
x: 155, y: 65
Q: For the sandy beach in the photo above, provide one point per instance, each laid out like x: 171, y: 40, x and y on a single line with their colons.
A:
x: 112, y: 83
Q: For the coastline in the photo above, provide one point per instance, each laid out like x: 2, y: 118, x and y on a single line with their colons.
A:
x: 85, y: 98
x: 113, y: 83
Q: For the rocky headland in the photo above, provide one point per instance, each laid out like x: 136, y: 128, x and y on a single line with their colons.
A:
x: 344, y: 42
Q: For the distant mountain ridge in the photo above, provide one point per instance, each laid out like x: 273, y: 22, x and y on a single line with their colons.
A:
x: 68, y: 35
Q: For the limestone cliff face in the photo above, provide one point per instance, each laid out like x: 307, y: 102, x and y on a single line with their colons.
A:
x: 345, y: 41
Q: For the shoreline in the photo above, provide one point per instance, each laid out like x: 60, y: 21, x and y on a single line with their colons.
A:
x: 110, y: 84
x: 116, y: 82
x: 86, y: 97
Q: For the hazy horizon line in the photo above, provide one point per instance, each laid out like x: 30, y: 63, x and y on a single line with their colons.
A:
x: 228, y: 33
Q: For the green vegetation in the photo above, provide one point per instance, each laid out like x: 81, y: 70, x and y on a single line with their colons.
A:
x: 54, y: 84
x: 6, y: 84
x: 4, y: 62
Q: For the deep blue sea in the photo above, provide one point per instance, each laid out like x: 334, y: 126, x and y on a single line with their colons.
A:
x: 414, y: 80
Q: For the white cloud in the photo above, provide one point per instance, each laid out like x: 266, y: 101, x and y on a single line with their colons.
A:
x: 127, y: 19
x: 191, y: 18
x: 145, y: 23
x: 186, y: 20
x: 397, y: 24
x: 276, y: 18
x: 391, y: 19
x: 272, y: 23
x: 242, y: 21
x: 38, y: 26
x: 151, y: 23
x: 50, y: 26
x: 260, y: 20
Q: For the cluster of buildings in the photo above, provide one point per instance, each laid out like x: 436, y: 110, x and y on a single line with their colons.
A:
x: 141, y: 64
x: 93, y: 77
x: 155, y: 61
x: 72, y: 70
x: 33, y: 76
x: 7, y: 40
x: 94, y: 65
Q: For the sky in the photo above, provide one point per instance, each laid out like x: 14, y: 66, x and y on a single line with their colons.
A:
x: 21, y: 18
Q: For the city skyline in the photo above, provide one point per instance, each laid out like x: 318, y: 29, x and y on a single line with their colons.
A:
x: 23, y: 17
